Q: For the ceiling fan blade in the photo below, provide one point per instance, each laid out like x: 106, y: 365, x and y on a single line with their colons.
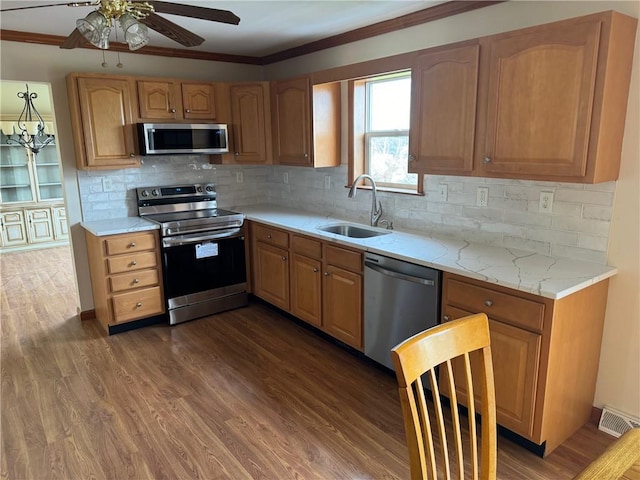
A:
x: 212, y: 14
x: 74, y: 40
x: 70, y: 4
x: 172, y: 30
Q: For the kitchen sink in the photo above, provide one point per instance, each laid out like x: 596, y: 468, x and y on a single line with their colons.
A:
x: 353, y: 231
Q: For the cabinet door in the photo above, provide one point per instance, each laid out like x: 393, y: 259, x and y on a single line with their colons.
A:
x: 444, y: 87
x: 291, y: 120
x: 306, y: 289
x: 158, y: 100
x: 40, y: 225
x: 13, y: 229
x: 516, y: 354
x: 106, y: 129
x: 60, y: 225
x: 271, y: 274
x: 540, y: 93
x: 198, y: 101
x: 249, y: 124
x: 342, y: 305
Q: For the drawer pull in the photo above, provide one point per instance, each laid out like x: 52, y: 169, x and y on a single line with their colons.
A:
x: 139, y: 304
x: 135, y: 280
x: 134, y: 263
x: 269, y: 236
x: 446, y: 318
x: 284, y: 258
x: 488, y: 303
x: 326, y: 274
x: 132, y: 244
x: 315, y: 270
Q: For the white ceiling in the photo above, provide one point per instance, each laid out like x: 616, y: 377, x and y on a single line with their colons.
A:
x: 266, y: 26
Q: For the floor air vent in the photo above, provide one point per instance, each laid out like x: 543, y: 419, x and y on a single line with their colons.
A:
x: 616, y: 423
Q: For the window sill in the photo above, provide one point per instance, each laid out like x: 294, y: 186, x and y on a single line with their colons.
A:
x: 401, y: 191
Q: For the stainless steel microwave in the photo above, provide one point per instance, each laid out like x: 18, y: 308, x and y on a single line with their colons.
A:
x: 182, y: 138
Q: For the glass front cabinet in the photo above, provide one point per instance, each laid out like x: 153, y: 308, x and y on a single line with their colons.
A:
x: 31, y: 201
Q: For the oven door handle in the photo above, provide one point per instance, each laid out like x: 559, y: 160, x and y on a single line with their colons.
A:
x: 178, y: 240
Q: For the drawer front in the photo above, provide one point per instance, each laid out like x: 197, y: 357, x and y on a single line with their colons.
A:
x: 11, y: 217
x: 497, y: 305
x: 137, y: 304
x: 127, y: 263
x: 130, y: 243
x: 341, y: 257
x: 306, y: 246
x: 271, y: 236
x: 128, y: 281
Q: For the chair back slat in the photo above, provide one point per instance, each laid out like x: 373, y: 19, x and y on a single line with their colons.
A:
x: 449, y: 348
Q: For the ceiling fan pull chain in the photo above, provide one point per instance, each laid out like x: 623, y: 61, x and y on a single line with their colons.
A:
x: 119, y: 64
x: 104, y: 61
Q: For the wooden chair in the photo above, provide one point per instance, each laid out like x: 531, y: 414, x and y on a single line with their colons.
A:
x: 421, y: 355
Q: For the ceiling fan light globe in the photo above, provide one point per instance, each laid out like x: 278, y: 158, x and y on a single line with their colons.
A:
x: 95, y: 28
x: 136, y: 34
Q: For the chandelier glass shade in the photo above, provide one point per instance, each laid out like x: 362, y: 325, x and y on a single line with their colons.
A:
x: 96, y: 27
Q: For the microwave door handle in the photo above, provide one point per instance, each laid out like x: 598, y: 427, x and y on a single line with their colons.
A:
x: 189, y: 239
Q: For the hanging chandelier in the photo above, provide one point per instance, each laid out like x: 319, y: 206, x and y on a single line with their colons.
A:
x: 96, y: 27
x: 31, y: 125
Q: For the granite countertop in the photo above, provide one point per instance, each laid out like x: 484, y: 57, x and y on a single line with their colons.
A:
x: 522, y: 270
x: 115, y: 226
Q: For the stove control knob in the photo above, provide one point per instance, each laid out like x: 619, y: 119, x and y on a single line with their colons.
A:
x: 155, y: 192
x: 145, y: 193
x: 209, y: 188
x: 199, y: 189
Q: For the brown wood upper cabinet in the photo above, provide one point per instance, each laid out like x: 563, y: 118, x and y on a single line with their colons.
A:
x: 160, y: 99
x: 444, y: 90
x: 250, y: 123
x: 550, y: 102
x: 306, y: 123
x: 102, y: 119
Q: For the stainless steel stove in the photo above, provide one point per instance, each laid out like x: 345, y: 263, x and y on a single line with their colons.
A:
x: 203, y: 253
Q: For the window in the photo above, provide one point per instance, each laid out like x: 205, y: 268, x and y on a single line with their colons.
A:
x: 380, y: 129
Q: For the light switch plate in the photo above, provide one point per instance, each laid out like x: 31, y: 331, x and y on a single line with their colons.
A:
x: 239, y: 177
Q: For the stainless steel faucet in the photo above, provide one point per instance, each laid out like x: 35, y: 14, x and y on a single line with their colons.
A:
x: 376, y: 206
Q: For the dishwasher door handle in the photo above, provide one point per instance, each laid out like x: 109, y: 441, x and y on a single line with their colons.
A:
x: 401, y: 276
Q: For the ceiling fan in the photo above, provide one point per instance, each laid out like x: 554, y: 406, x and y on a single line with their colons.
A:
x: 133, y: 18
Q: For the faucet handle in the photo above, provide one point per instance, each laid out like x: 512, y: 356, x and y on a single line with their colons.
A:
x: 389, y: 224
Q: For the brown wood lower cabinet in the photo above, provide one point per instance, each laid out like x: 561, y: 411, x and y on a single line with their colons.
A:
x: 313, y: 280
x: 126, y: 277
x: 545, y: 354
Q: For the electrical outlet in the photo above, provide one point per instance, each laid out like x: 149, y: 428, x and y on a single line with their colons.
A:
x: 443, y: 192
x: 482, y: 197
x: 239, y: 177
x: 285, y: 177
x: 107, y: 184
x: 327, y: 182
x: 546, y: 202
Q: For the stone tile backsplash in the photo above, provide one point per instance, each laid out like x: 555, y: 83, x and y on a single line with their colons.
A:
x: 578, y: 226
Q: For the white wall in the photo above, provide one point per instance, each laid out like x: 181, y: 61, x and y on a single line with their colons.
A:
x: 619, y: 375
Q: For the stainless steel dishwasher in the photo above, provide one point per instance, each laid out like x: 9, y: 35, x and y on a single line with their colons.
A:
x: 400, y: 300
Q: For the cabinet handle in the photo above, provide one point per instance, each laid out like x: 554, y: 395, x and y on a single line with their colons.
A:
x: 306, y: 155
x: 326, y: 274
x: 237, y: 154
x: 284, y: 258
x: 488, y: 303
x: 269, y: 236
x: 446, y: 318
x: 134, y: 263
x: 135, y: 280
x: 132, y: 155
x: 188, y: 111
x: 132, y: 244
x: 412, y: 158
x: 486, y: 159
x: 138, y: 305
x: 315, y: 270
x: 172, y: 110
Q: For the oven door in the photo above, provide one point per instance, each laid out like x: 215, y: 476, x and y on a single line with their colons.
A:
x: 205, y: 265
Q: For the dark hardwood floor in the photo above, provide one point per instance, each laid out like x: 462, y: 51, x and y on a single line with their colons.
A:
x: 247, y: 394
